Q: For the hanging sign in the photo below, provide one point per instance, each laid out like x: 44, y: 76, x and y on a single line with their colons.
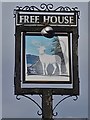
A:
x: 46, y: 44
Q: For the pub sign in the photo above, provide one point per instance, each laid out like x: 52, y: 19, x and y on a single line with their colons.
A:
x: 46, y: 49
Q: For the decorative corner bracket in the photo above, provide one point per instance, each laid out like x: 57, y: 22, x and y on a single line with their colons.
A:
x: 45, y: 7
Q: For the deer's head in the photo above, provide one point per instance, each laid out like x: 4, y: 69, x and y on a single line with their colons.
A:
x: 41, y: 49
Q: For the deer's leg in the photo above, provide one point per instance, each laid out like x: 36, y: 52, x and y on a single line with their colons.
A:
x: 43, y: 69
x: 46, y: 69
x: 54, y: 65
x: 59, y: 68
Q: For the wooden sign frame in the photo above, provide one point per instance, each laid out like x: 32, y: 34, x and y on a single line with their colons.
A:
x: 23, y: 29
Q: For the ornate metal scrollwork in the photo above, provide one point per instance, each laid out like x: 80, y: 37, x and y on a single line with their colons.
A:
x: 75, y: 98
x: 17, y: 97
x: 55, y: 114
x: 45, y: 7
x: 38, y: 112
x: 61, y: 8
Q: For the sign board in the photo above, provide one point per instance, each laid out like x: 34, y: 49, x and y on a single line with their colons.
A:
x: 46, y: 44
x: 54, y: 18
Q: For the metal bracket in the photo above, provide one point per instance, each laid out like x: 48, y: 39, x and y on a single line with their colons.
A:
x: 38, y: 112
x: 55, y: 114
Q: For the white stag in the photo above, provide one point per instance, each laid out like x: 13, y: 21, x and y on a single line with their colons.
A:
x: 47, y: 59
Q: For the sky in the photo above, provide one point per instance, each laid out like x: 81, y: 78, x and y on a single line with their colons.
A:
x: 11, y: 107
x: 34, y: 42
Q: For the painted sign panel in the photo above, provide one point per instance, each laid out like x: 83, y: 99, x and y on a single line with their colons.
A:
x: 46, y: 49
x: 47, y: 59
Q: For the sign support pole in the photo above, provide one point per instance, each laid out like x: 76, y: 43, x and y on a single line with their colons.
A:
x: 47, y: 105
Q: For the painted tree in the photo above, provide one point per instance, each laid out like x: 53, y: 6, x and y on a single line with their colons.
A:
x: 57, y: 50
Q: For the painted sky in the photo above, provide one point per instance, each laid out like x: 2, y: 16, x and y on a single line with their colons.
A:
x: 34, y: 42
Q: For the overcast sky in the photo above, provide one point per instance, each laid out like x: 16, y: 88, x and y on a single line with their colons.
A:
x: 11, y: 107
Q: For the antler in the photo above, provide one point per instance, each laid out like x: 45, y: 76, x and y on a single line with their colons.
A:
x: 36, y: 43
